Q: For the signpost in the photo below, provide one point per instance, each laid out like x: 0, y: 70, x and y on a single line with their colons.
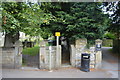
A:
x: 57, y: 34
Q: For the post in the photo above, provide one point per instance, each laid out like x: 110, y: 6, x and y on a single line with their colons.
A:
x: 57, y: 53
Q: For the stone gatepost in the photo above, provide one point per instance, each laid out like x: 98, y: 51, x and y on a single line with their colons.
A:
x: 58, y: 65
x: 18, y: 54
x: 47, y: 56
x: 92, y: 57
x: 98, y: 53
x: 42, y: 54
x: 80, y: 47
x: 72, y: 55
x: 76, y: 51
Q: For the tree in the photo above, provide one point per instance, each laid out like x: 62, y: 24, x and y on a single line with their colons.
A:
x: 19, y: 16
x: 77, y: 20
x: 114, y: 7
x: 114, y: 28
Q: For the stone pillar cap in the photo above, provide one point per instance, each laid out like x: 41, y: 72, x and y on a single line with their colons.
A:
x: 98, y: 41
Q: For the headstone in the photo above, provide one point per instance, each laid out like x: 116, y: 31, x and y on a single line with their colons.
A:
x: 43, y: 43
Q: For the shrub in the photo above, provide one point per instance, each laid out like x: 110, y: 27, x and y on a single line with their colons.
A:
x: 31, y: 51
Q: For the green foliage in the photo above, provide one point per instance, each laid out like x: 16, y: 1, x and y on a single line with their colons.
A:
x: 109, y: 36
x: 31, y: 51
x: 12, y: 25
x: 74, y: 20
x: 79, y: 20
x: 23, y: 17
x: 115, y: 17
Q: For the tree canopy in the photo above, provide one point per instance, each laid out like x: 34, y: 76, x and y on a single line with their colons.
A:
x: 114, y: 7
x: 19, y: 16
x: 77, y: 20
x: 73, y: 19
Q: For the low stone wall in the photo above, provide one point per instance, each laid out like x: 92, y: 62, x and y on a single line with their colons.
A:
x: 76, y: 57
x: 8, y: 59
x: 0, y: 63
x: 12, y: 57
x: 0, y: 58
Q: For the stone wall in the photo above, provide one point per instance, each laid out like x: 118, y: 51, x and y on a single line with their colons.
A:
x: 79, y: 48
x: 76, y: 51
x: 12, y: 57
x: 8, y: 58
x: 0, y: 63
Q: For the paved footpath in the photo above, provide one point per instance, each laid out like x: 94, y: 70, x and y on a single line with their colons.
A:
x: 109, y: 70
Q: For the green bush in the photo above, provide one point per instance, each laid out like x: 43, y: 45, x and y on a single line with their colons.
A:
x: 31, y: 51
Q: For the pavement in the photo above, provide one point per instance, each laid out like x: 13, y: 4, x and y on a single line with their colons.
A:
x: 109, y: 70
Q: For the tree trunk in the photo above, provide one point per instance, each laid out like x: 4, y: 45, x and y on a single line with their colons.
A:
x: 10, y: 40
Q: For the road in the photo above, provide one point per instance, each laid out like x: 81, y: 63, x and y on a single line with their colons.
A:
x: 110, y: 62
x: 109, y: 70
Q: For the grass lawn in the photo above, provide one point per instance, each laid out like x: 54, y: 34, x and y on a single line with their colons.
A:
x: 31, y: 51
